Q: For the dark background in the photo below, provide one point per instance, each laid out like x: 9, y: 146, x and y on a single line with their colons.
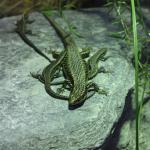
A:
x: 15, y: 7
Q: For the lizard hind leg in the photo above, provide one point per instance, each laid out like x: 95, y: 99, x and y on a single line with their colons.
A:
x: 65, y: 86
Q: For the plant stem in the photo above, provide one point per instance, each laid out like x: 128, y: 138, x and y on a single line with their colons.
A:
x: 139, y: 11
x: 60, y: 8
x: 135, y: 51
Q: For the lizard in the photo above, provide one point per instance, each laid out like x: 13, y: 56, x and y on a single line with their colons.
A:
x: 78, y: 93
x: 49, y: 71
x: 75, y: 68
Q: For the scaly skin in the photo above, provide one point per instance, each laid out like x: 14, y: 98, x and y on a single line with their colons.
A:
x: 48, y: 76
x: 74, y: 66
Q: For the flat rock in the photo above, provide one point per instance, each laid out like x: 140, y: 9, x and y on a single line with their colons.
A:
x: 31, y: 119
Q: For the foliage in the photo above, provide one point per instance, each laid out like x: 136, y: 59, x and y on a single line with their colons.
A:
x: 142, y: 73
x: 14, y: 7
x: 61, y: 7
x: 135, y: 52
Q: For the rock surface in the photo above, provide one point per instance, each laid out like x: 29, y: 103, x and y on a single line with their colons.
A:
x: 29, y: 118
x: 127, y: 140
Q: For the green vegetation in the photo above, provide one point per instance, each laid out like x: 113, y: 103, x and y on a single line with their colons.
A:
x: 142, y: 73
x: 136, y: 51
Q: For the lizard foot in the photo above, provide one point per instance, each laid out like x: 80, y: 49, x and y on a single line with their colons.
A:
x: 102, y: 91
x: 37, y: 76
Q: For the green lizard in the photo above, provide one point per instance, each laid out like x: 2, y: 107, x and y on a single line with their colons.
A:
x: 74, y: 67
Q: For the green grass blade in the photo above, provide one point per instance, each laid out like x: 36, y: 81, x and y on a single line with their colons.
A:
x: 136, y: 51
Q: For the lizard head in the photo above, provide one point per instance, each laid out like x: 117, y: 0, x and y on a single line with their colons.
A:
x: 75, y: 103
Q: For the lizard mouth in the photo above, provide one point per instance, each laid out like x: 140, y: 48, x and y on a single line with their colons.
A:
x: 73, y: 106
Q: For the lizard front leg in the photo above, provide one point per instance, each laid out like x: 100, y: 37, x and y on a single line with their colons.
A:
x: 91, y: 86
x: 92, y: 64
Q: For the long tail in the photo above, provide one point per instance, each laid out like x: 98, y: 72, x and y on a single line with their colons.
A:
x: 60, y: 31
x: 20, y: 30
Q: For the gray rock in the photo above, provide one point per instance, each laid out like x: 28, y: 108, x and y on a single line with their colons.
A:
x: 31, y: 119
x: 127, y: 138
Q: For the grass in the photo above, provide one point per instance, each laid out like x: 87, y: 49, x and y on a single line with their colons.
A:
x: 141, y: 70
x: 15, y: 7
x: 136, y: 52
x: 144, y: 71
